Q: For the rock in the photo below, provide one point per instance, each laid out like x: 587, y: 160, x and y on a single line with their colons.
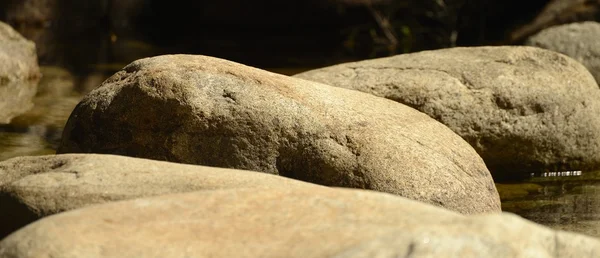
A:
x: 284, y: 222
x: 208, y: 111
x: 56, y: 97
x: 576, y: 40
x: 503, y: 235
x: 19, y: 61
x: 45, y: 185
x: 19, y: 73
x: 523, y: 109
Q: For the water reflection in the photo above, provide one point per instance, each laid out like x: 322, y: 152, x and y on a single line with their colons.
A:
x: 563, y: 202
x: 23, y: 144
x: 15, y: 98
x: 558, y: 173
x: 38, y: 131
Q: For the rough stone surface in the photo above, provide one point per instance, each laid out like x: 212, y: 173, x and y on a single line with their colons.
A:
x: 33, y: 187
x: 209, y: 111
x: 19, y: 73
x: 523, y: 109
x: 576, y: 40
x: 280, y: 222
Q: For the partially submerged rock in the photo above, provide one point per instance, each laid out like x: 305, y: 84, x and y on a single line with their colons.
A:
x: 286, y: 222
x: 523, y: 109
x: 33, y: 187
x: 209, y: 111
x: 19, y: 73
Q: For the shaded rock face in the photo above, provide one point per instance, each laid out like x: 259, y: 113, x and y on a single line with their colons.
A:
x: 286, y: 222
x: 576, y: 40
x: 523, y: 109
x: 33, y: 187
x: 209, y: 111
x: 19, y: 73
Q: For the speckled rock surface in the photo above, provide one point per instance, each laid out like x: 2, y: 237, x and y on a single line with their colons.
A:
x: 523, y: 109
x: 280, y: 222
x: 19, y: 73
x: 37, y: 186
x: 576, y: 40
x: 208, y: 111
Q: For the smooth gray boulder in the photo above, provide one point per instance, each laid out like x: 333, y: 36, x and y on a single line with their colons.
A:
x: 524, y: 109
x: 287, y: 222
x: 38, y: 186
x: 580, y: 41
x: 208, y: 111
x: 19, y: 73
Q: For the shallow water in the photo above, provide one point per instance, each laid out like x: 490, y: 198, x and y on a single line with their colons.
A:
x: 563, y: 202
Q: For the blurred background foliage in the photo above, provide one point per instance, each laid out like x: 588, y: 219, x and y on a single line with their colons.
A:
x: 94, y: 35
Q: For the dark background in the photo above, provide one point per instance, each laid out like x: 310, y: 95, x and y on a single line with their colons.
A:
x: 106, y: 34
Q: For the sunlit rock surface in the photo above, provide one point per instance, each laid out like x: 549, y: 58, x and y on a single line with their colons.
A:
x: 34, y: 187
x: 523, y: 109
x: 287, y: 222
x: 209, y: 111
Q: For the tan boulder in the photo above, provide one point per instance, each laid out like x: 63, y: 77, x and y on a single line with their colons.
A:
x: 33, y: 187
x: 524, y: 109
x: 283, y: 222
x: 208, y: 111
x: 19, y: 73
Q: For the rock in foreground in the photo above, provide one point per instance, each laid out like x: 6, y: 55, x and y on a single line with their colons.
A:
x: 279, y: 222
x: 523, y: 109
x: 33, y: 187
x: 576, y: 40
x: 209, y: 111
x: 19, y: 73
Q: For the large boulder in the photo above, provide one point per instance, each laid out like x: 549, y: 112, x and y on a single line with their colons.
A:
x: 524, y: 109
x: 286, y: 222
x: 33, y: 187
x: 209, y: 111
x: 19, y: 73
x: 576, y: 40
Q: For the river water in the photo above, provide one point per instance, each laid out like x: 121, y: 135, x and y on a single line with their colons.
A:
x: 570, y: 202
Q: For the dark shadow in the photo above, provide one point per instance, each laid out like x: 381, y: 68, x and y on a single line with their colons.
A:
x: 13, y: 215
